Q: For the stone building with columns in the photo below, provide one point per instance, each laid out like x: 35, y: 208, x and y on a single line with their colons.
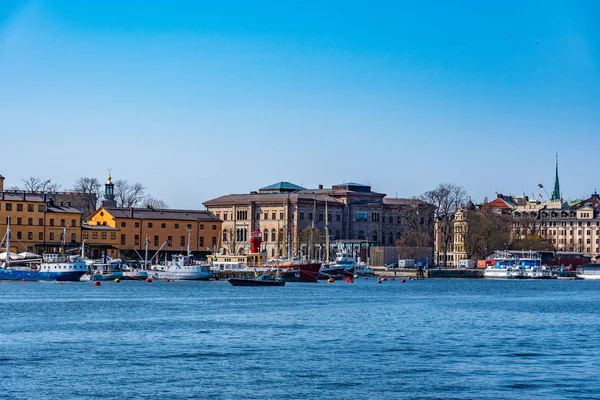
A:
x: 285, y: 214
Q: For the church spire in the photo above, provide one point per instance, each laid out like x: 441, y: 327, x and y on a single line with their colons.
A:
x: 109, y: 192
x: 556, y: 192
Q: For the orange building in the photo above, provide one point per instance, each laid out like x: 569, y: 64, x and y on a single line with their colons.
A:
x: 167, y: 230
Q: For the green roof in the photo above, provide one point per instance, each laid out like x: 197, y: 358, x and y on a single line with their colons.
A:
x: 281, y: 187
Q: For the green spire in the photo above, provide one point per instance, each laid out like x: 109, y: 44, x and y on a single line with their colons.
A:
x: 556, y: 192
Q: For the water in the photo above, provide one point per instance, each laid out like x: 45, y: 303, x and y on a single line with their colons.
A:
x: 428, y: 339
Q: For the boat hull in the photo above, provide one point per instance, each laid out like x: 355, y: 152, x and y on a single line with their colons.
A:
x: 19, y: 275
x: 588, y: 277
x: 254, y: 282
x: 180, y: 275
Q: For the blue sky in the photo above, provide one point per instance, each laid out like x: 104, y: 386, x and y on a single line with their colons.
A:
x: 198, y: 99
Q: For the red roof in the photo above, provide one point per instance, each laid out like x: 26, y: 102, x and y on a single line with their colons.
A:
x: 497, y: 203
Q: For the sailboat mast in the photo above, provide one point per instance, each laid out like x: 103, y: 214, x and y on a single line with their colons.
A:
x: 289, y: 244
x: 146, y: 254
x: 312, y: 229
x: 189, y: 231
x: 7, y: 241
x: 326, y: 233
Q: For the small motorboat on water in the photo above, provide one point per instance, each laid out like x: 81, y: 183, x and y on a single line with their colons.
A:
x: 261, y: 280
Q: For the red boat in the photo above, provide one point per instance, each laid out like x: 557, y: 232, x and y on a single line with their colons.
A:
x: 300, y: 271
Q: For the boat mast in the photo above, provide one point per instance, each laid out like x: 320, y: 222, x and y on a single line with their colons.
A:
x: 189, y: 231
x: 326, y: 233
x: 7, y: 241
x: 64, y: 241
x: 146, y: 254
x: 289, y: 245
x: 312, y: 229
x: 83, y: 248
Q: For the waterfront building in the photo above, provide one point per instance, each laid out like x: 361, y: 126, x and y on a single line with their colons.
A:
x: 287, y: 213
x: 38, y: 223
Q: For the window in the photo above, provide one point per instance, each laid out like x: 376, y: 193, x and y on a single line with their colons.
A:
x: 29, y: 221
x: 136, y: 240
x: 338, y: 217
x: 182, y: 241
x: 84, y: 235
x: 155, y: 240
x: 329, y: 215
x: 225, y: 235
x: 273, y: 235
x: 265, y: 236
x: 375, y: 236
x: 51, y: 222
x: 214, y: 227
x: 73, y: 237
x: 163, y: 225
x: 189, y: 226
x: 201, y: 241
x: 62, y: 222
x: 51, y: 235
x: 391, y: 238
x: 29, y: 235
x: 41, y: 236
x: 214, y: 241
x: 40, y: 208
x: 136, y: 224
x: 123, y: 224
x: 73, y: 222
x: 201, y: 227
x: 176, y: 226
x: 361, y: 235
x: 19, y: 220
x: 122, y: 239
x: 170, y: 241
x: 30, y: 208
x: 103, y: 235
x: 19, y: 207
x: 362, y: 217
x: 19, y: 236
x: 149, y: 224
x: 273, y: 215
x: 113, y: 236
x: 266, y: 216
x: 280, y: 237
x: 8, y: 206
x: 257, y: 216
x: 280, y: 215
x: 310, y: 216
x: 301, y: 216
x: 375, y: 217
x: 41, y: 222
x: 321, y: 216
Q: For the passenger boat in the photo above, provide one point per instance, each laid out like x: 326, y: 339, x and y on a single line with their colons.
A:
x: 103, y: 271
x: 363, y: 269
x: 181, y: 267
x: 503, y: 268
x: 51, y: 267
x: 589, y: 272
x: 533, y: 268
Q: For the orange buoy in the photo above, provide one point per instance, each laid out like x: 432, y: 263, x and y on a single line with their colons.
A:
x: 97, y: 283
x: 148, y: 279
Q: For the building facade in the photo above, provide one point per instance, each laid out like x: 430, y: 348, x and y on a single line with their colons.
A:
x: 298, y: 220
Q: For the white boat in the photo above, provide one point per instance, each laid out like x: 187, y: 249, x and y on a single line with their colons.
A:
x: 103, y: 271
x: 589, y: 272
x: 181, y: 267
x: 533, y: 268
x: 134, y: 274
x: 503, y: 268
x: 363, y: 269
x: 343, y: 266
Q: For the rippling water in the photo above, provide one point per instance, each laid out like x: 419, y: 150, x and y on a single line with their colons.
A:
x: 421, y: 339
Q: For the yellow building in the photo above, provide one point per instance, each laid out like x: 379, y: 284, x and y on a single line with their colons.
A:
x: 37, y: 223
x: 100, y: 241
x: 167, y: 230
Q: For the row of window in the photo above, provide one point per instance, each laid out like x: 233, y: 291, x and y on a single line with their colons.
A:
x: 19, y: 221
x: 570, y: 232
x: 51, y: 236
x: 30, y: 207
x: 579, y: 241
x: 580, y: 223
x: 151, y: 225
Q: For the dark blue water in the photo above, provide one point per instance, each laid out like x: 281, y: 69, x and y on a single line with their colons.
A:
x: 421, y: 339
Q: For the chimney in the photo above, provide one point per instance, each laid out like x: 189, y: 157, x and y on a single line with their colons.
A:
x: 131, y: 211
x: 1, y: 183
x: 320, y: 186
x: 68, y: 203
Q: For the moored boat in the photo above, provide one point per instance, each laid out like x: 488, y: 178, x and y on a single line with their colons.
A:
x: 503, y: 268
x: 181, y: 267
x: 589, y: 272
x: 261, y: 280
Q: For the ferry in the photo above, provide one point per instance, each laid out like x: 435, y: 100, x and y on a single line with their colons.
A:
x: 589, y: 272
x: 503, y: 268
x: 533, y: 268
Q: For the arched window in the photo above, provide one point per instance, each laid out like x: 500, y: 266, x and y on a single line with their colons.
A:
x: 273, y: 237
x: 281, y: 235
x: 391, y: 238
x: 375, y: 236
x: 225, y: 235
x: 273, y: 250
x: 361, y: 235
x: 266, y: 236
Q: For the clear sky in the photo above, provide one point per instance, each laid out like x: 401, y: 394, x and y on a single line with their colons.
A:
x: 197, y: 99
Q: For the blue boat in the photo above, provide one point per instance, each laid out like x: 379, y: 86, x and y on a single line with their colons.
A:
x: 50, y: 267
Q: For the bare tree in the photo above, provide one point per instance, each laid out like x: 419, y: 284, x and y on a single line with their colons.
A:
x: 153, y: 203
x: 128, y: 195
x: 51, y: 187
x: 37, y: 185
x: 486, y: 231
x: 414, y: 245
x: 90, y: 188
x: 446, y: 198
